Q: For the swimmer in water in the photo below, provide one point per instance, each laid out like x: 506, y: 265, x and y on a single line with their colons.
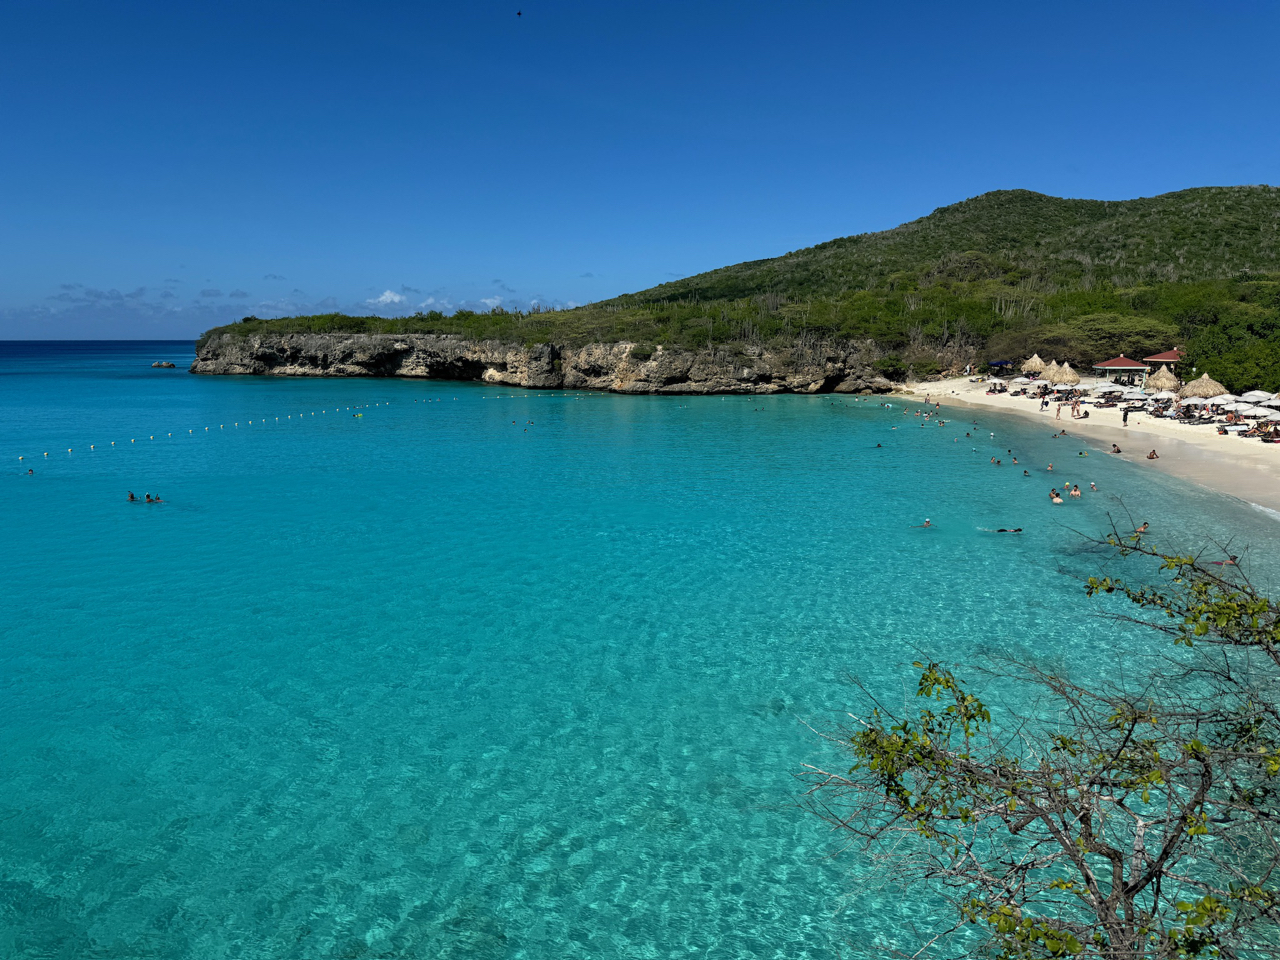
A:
x: 1114, y: 448
x: 921, y: 526
x: 1229, y: 562
x: 1142, y: 529
x: 1014, y: 530
x: 1153, y: 455
x: 1093, y: 486
x: 1075, y: 492
x: 132, y: 498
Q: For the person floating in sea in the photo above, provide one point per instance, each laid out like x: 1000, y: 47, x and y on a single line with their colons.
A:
x: 921, y: 526
x: 1014, y: 530
x: 132, y: 498
x: 1093, y: 486
x: 1142, y: 529
x: 1153, y: 455
x: 1075, y: 492
x: 1050, y: 468
x: 1231, y: 561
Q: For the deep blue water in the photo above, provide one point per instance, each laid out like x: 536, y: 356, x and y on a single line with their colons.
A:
x: 484, y: 672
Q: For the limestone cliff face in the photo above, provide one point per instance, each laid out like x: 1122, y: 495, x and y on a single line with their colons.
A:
x: 838, y: 368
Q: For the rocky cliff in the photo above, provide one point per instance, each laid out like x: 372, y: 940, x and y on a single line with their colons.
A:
x: 616, y: 367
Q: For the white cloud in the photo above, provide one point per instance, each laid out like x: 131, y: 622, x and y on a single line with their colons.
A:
x: 491, y: 302
x: 388, y: 298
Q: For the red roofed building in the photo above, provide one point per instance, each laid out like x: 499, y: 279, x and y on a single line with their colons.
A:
x: 1120, y: 363
x: 1169, y: 356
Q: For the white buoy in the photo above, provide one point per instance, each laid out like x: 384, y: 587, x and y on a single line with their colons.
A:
x: 91, y: 446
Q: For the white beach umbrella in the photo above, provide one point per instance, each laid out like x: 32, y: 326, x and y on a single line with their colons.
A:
x: 1194, y: 402
x: 1224, y: 398
x: 1021, y: 380
x: 1251, y: 411
x: 1256, y: 396
x: 1165, y: 395
x: 1134, y: 395
x: 1106, y: 388
x: 1272, y: 415
x: 1273, y: 402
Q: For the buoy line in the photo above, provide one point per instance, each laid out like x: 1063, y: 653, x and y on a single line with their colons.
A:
x: 235, y: 423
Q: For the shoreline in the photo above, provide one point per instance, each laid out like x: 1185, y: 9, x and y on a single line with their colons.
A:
x: 1245, y: 469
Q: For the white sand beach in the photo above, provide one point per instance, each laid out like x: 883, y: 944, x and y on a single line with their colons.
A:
x: 1244, y: 468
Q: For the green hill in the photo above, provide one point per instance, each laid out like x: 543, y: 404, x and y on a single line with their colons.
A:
x: 1006, y: 273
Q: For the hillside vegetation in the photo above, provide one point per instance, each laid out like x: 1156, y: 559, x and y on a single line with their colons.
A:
x: 1007, y: 273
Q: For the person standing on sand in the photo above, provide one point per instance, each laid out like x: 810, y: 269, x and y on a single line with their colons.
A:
x: 1059, y: 416
x: 1124, y: 420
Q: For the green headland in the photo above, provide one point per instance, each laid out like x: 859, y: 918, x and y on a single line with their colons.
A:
x: 1010, y: 273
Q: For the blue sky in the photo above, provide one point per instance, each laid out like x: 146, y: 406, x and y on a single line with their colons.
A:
x: 167, y: 167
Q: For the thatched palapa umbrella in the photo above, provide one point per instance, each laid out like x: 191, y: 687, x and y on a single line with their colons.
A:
x: 1067, y: 376
x: 1162, y: 380
x: 1034, y: 365
x: 1051, y: 371
x: 1204, y: 387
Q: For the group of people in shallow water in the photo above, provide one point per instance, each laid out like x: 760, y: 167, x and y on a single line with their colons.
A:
x: 150, y: 498
x: 1069, y: 490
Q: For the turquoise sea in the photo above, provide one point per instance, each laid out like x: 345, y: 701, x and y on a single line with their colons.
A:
x: 489, y: 673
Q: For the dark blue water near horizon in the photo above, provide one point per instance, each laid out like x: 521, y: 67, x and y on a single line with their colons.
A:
x: 429, y: 669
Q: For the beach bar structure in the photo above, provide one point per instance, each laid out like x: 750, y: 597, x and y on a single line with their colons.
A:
x: 1169, y: 356
x: 1120, y: 365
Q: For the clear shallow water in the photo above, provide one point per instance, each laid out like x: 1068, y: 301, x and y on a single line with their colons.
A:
x: 422, y: 683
